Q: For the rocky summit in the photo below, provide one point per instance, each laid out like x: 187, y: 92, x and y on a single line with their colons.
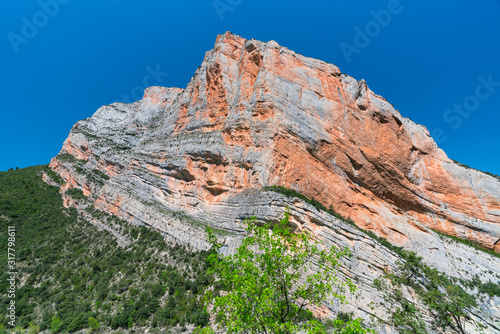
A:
x: 257, y: 114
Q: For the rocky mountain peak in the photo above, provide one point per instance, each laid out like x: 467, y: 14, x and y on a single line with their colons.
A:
x: 257, y: 114
x: 268, y: 115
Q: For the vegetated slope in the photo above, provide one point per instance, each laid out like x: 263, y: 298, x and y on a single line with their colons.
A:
x: 127, y: 277
x: 70, y: 270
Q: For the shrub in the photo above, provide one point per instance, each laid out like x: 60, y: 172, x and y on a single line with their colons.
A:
x: 93, y: 324
x: 75, y: 193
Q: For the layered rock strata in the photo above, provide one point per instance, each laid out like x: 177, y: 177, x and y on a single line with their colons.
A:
x: 257, y: 114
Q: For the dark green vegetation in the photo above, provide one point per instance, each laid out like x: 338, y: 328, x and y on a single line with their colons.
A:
x: 319, y: 206
x: 93, y: 175
x: 468, y: 243
x: 75, y: 276
x: 69, y: 158
x: 448, y: 299
x: 75, y: 193
x: 54, y: 176
x: 468, y: 167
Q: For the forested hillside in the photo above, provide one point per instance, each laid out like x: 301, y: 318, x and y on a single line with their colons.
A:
x: 73, y: 275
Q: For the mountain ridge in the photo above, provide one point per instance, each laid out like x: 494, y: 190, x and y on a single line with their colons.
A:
x: 422, y: 144
x: 256, y: 114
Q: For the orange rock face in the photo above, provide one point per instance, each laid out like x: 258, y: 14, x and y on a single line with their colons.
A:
x: 257, y: 114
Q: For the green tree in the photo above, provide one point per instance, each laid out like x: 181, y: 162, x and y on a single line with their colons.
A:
x: 350, y: 327
x: 93, y: 324
x: 55, y: 324
x: 447, y: 301
x: 33, y: 329
x: 273, y: 280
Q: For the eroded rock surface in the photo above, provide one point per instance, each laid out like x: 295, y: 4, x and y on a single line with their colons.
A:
x: 258, y: 114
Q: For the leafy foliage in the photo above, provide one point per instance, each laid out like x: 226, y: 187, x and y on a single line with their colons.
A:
x: 93, y: 324
x: 273, y: 280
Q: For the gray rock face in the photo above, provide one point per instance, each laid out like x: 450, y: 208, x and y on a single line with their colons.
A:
x: 257, y: 114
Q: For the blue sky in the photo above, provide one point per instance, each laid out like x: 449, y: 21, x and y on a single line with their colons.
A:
x: 437, y: 62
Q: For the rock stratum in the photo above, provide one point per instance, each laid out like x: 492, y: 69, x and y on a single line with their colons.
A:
x: 258, y: 114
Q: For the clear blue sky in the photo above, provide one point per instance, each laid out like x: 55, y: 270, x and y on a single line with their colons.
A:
x: 427, y: 57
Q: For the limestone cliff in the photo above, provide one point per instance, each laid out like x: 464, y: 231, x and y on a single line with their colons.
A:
x: 257, y: 114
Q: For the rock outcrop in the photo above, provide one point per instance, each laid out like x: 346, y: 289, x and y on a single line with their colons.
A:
x: 258, y: 114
